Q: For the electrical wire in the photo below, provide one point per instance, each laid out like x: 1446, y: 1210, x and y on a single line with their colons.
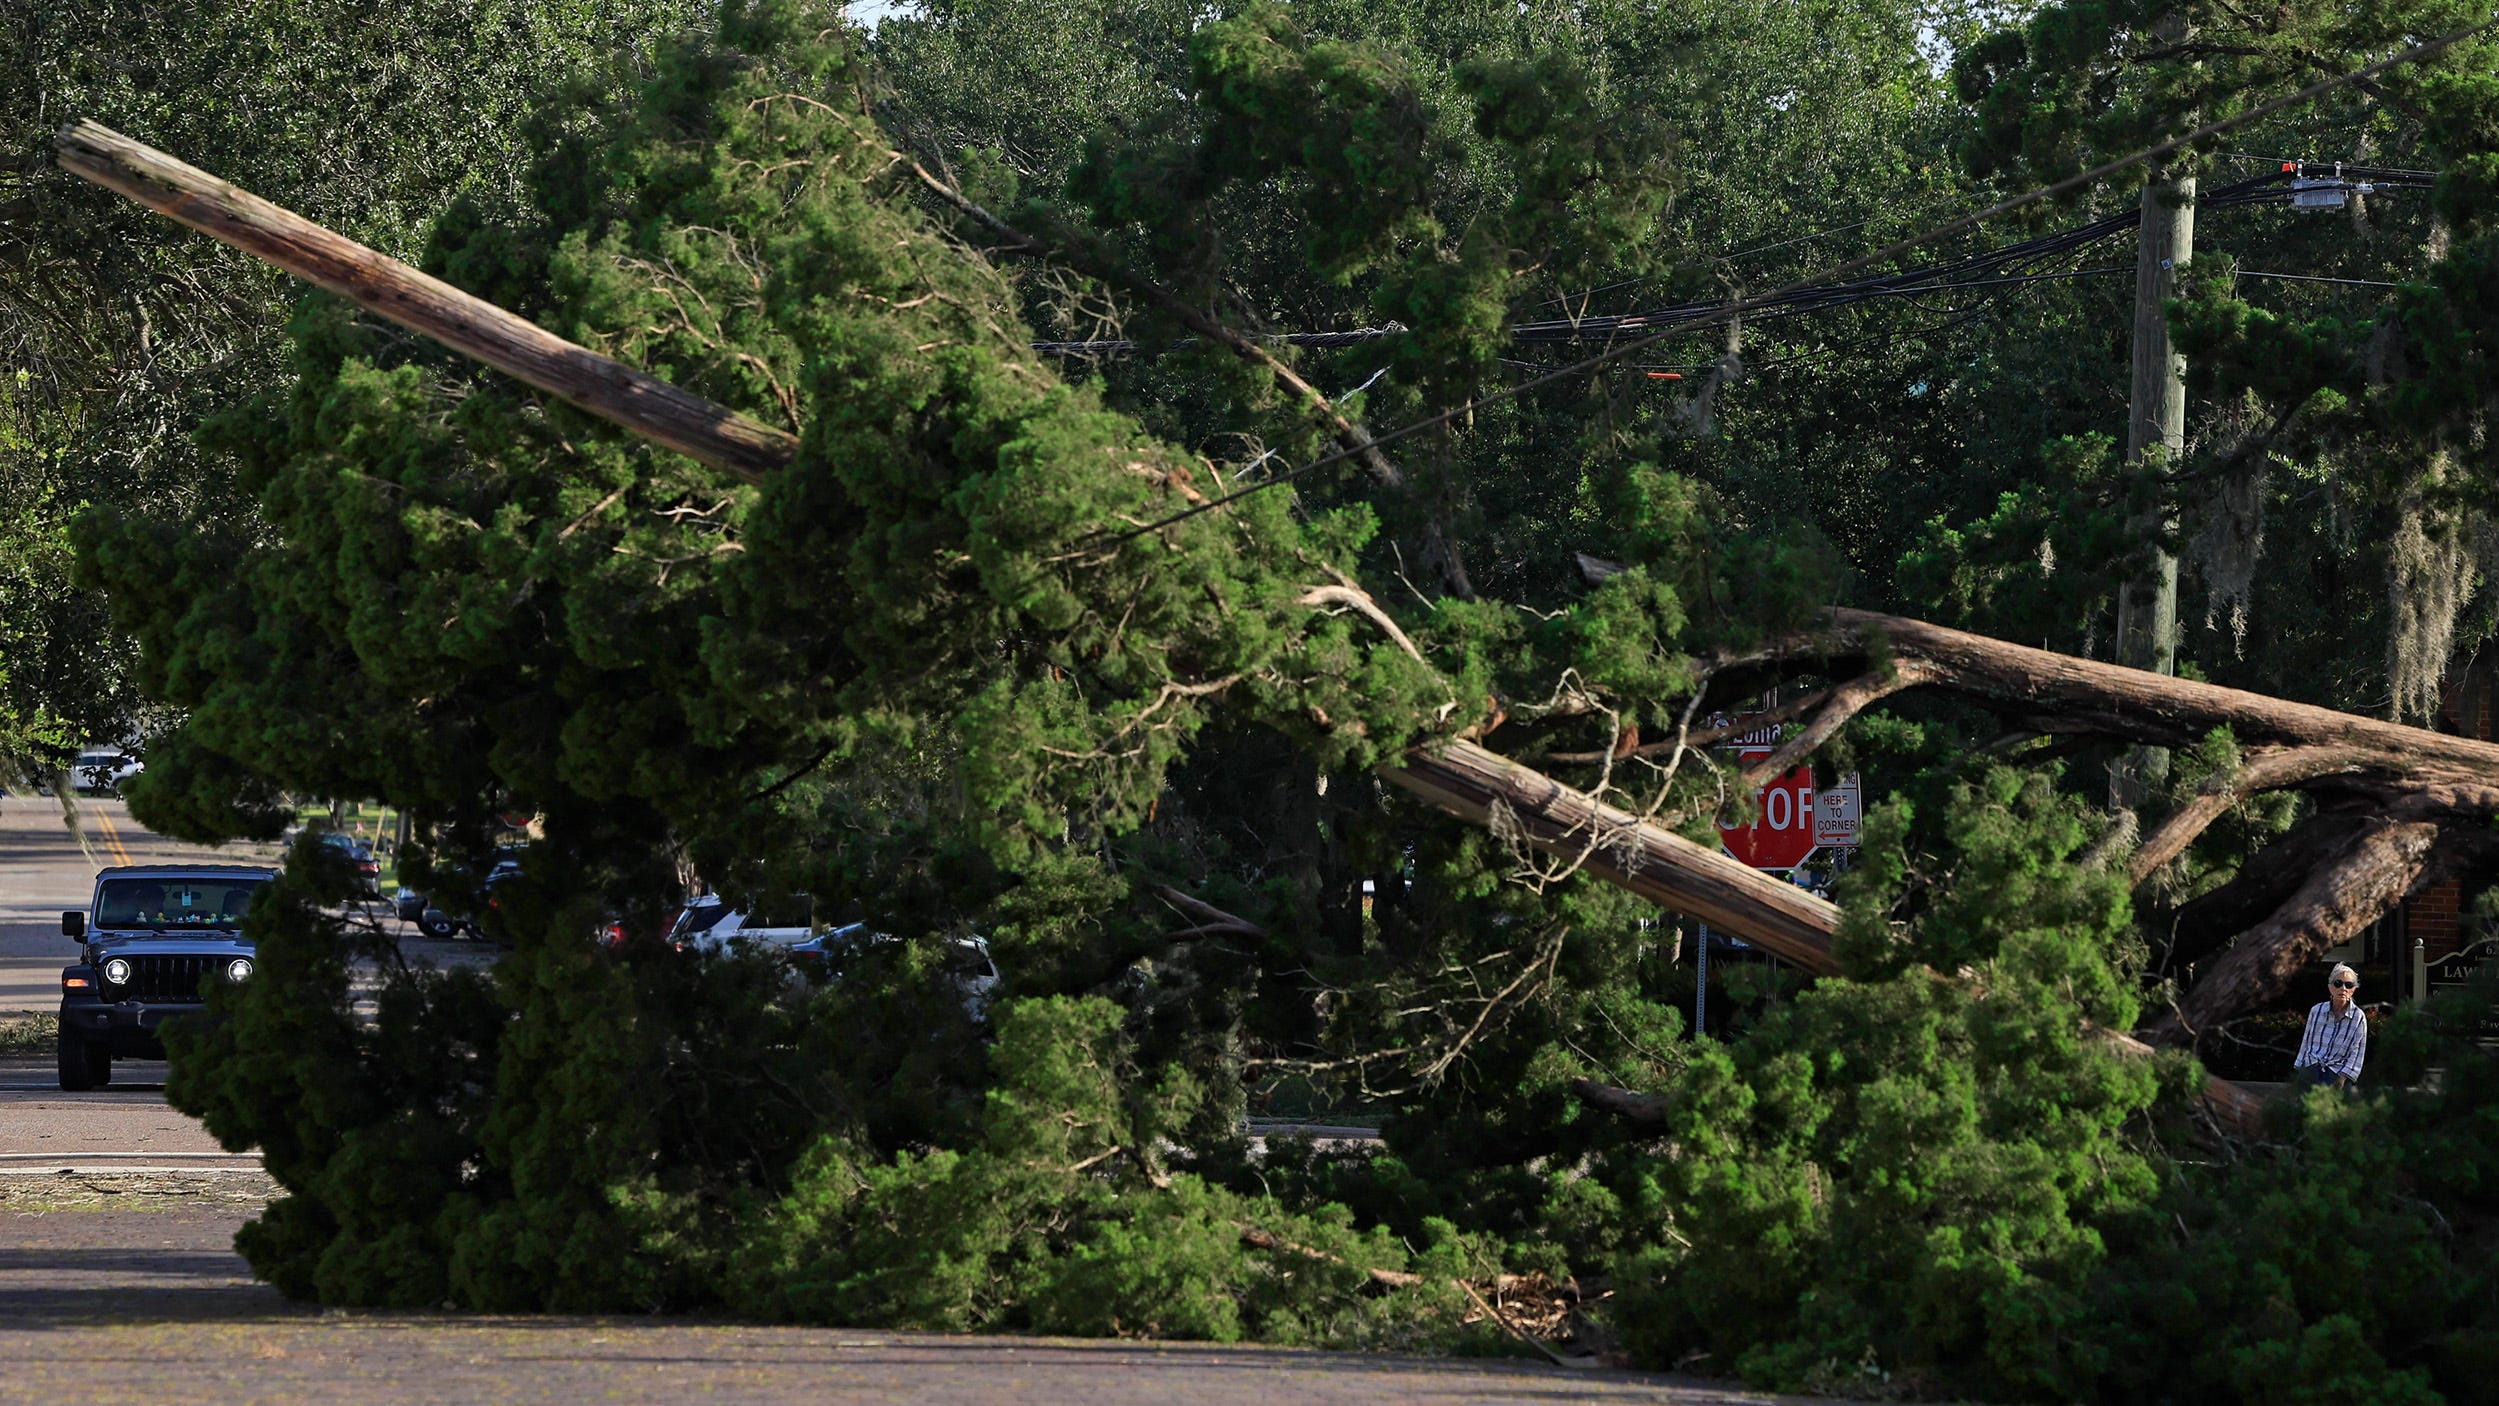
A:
x: 1744, y: 306
x: 2318, y: 278
x: 2254, y: 190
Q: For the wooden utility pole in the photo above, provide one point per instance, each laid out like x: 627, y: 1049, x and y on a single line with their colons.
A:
x: 666, y: 414
x: 2156, y: 428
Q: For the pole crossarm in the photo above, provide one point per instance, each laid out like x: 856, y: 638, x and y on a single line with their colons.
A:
x: 669, y: 415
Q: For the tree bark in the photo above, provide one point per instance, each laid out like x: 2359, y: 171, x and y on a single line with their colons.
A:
x: 2133, y: 705
x: 657, y: 410
x: 2265, y: 771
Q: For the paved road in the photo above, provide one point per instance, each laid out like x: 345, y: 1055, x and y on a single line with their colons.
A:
x: 152, y: 1307
x: 125, y: 1124
x: 43, y: 870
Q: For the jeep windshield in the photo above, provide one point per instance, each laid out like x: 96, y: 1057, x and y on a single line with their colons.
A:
x: 175, y: 902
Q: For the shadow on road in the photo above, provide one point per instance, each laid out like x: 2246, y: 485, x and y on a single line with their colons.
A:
x: 78, y: 1269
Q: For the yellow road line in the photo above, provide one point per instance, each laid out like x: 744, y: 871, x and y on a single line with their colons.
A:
x: 112, y: 837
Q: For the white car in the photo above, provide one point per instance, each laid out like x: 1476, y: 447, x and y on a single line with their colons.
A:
x: 103, y: 769
x: 709, y: 925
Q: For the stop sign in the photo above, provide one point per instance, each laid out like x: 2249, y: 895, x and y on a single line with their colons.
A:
x: 1782, y: 833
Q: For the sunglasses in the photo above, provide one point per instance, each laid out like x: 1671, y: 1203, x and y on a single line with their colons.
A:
x: 2344, y: 985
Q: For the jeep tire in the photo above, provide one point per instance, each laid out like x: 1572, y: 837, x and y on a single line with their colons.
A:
x: 437, y: 926
x: 83, y: 1066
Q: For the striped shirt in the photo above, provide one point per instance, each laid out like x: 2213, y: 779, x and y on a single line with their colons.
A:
x: 2334, y: 1043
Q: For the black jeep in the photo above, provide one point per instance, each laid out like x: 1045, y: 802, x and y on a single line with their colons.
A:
x: 161, y: 933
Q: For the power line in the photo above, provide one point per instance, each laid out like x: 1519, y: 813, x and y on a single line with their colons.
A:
x: 2254, y: 190
x: 2318, y: 278
x: 1883, y: 255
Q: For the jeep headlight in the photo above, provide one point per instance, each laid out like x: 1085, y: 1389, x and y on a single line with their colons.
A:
x: 240, y: 969
x: 117, y: 971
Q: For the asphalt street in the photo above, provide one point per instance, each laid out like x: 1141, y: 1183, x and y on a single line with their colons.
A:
x: 146, y: 1303
x: 44, y: 869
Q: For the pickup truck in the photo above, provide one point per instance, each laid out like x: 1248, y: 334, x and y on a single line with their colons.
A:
x: 151, y: 942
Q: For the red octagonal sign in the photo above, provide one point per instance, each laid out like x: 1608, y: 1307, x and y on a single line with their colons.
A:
x: 1782, y: 833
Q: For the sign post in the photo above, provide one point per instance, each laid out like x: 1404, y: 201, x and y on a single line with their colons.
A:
x: 1792, y: 821
x: 1700, y: 994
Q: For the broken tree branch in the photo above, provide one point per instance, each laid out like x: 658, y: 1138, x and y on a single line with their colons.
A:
x: 1476, y: 785
x: 1211, y: 919
x: 2268, y: 770
x: 1361, y: 602
x: 2134, y: 705
x: 1842, y: 703
x: 1787, y: 711
x: 1258, y: 1239
x: 666, y: 414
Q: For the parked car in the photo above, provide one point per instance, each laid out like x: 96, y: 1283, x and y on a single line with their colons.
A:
x: 159, y: 935
x: 102, y: 770
x: 708, y: 924
x: 969, y: 967
x: 358, y: 855
x: 436, y: 922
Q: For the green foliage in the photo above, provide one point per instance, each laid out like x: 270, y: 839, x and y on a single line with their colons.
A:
x: 1021, y: 1230
x: 2351, y: 1254
x: 1908, y: 1166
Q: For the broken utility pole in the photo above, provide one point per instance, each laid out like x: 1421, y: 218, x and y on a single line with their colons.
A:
x: 666, y: 414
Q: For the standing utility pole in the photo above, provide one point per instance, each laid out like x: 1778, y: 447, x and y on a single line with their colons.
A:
x: 2147, y: 604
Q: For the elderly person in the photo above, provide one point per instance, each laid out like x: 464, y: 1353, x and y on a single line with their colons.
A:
x: 2337, y: 1037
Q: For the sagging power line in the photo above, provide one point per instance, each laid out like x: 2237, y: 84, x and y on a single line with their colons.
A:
x: 2008, y: 265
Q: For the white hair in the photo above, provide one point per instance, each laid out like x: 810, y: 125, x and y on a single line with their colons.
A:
x: 2343, y: 969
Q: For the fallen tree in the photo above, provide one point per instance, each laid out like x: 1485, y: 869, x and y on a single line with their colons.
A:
x: 2408, y: 805
x: 2403, y: 806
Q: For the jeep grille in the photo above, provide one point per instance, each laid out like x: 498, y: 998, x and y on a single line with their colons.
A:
x: 163, y: 978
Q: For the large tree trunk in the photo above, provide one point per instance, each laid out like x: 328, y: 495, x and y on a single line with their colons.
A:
x: 2066, y: 694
